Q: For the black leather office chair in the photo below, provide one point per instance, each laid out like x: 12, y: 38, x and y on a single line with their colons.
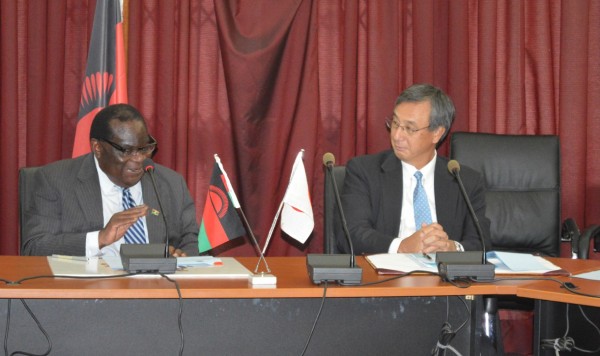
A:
x: 522, y: 178
x: 331, y: 216
x: 25, y: 196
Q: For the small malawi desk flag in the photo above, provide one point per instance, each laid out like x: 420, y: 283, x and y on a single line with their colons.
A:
x: 105, y: 80
x: 220, y: 221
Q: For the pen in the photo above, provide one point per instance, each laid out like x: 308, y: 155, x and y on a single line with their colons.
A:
x: 427, y: 256
x: 71, y: 258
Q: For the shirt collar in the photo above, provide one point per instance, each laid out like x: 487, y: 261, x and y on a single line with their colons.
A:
x: 427, y: 170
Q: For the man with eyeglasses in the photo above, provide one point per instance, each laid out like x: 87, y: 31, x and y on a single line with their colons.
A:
x: 404, y: 200
x: 82, y: 206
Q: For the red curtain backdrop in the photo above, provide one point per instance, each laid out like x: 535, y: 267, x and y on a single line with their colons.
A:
x: 257, y: 80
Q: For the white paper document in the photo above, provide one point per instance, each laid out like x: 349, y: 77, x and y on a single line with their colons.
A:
x: 401, y: 262
x: 593, y: 275
x: 505, y: 262
x: 520, y: 263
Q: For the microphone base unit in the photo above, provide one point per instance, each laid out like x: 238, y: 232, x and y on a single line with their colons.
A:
x: 464, y: 265
x: 480, y: 272
x: 147, y: 258
x: 332, y: 268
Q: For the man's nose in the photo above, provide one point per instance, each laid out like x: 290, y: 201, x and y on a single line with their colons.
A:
x: 138, y: 156
x: 398, y: 133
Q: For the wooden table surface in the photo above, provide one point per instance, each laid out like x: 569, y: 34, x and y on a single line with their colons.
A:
x: 292, y: 282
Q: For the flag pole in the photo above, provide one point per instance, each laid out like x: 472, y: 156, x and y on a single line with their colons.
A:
x: 262, y: 256
x: 238, y: 207
x: 271, y: 231
x: 273, y: 227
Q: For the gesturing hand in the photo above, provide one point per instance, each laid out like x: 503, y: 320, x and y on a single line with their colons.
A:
x: 119, y: 223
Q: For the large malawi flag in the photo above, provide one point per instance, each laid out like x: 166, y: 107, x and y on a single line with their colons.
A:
x: 220, y: 221
x: 105, y: 79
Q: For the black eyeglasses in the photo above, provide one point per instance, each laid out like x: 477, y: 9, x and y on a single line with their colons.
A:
x: 131, y: 151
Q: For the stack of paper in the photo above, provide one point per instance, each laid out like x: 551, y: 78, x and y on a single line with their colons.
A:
x: 522, y: 263
x: 505, y: 262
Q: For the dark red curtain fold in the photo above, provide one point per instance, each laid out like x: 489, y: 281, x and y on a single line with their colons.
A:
x: 256, y: 81
x: 270, y: 76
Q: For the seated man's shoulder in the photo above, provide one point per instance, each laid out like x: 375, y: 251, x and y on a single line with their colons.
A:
x: 372, y: 160
x: 167, y: 173
x: 470, y: 176
x: 64, y: 166
x: 466, y: 170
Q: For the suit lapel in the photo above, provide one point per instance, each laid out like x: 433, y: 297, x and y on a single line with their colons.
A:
x: 88, y: 193
x: 446, y: 193
x: 154, y: 219
x: 391, y: 192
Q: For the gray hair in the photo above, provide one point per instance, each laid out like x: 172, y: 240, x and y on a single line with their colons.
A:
x: 442, y: 107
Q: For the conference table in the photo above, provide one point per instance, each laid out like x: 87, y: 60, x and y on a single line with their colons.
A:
x: 229, y: 316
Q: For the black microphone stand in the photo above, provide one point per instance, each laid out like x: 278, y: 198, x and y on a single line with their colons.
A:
x: 338, y: 200
x: 465, y: 264
x: 335, y: 268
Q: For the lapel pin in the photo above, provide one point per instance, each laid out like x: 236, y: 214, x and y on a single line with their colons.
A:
x: 155, y: 212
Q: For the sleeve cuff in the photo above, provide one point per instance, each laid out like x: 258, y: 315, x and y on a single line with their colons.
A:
x: 92, y: 247
x: 459, y: 246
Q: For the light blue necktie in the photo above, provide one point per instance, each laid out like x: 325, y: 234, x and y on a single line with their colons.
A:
x: 136, y: 234
x: 420, y: 204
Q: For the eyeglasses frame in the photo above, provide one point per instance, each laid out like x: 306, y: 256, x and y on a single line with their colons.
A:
x: 389, y: 123
x: 129, y: 152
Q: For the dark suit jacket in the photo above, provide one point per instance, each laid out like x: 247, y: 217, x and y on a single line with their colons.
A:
x: 372, y: 202
x: 67, y: 204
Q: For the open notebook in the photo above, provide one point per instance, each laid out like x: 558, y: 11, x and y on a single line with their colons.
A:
x: 505, y: 262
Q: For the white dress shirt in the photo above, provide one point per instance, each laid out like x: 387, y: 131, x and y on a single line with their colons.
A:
x: 409, y: 182
x: 112, y: 202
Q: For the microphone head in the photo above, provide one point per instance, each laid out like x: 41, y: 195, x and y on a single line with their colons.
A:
x: 328, y: 158
x: 453, y: 166
x: 148, y: 165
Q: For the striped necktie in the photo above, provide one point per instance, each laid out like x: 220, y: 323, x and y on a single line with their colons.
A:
x: 420, y: 204
x: 136, y: 234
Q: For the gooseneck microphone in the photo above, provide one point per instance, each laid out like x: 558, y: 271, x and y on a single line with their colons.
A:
x: 329, y: 162
x: 454, y: 169
x: 149, y: 168
x: 151, y: 257
x: 336, y: 268
x: 467, y: 264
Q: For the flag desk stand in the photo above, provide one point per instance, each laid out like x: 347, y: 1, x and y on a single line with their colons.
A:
x: 263, y: 279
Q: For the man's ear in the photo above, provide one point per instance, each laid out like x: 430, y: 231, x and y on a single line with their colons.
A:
x: 95, y: 147
x: 438, y: 134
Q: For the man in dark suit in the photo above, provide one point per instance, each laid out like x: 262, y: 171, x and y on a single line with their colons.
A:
x: 379, y: 190
x: 78, y: 206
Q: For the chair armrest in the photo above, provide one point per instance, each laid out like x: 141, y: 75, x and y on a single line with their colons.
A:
x: 569, y: 232
x: 592, y: 231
